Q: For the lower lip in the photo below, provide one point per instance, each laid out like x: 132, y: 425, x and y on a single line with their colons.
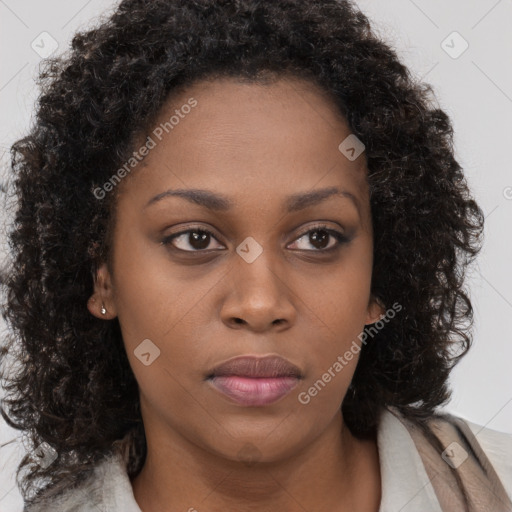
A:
x: 252, y: 391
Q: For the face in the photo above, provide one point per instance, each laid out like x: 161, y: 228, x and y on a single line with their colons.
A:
x: 271, y: 255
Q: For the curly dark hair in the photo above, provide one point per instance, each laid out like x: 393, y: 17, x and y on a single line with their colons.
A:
x: 73, y: 387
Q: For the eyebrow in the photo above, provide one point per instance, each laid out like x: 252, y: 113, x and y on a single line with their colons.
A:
x: 219, y: 202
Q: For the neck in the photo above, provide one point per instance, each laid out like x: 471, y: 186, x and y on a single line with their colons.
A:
x: 337, y: 472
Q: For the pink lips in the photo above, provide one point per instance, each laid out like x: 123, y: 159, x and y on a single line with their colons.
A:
x: 255, y: 381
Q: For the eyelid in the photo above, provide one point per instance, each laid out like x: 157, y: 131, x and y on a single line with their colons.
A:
x: 319, y: 226
x: 340, y: 237
x: 169, y: 238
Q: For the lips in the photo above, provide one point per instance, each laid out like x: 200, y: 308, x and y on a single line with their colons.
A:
x: 255, y: 381
x: 251, y: 366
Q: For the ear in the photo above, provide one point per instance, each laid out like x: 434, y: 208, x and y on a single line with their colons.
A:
x: 375, y: 311
x: 103, y: 295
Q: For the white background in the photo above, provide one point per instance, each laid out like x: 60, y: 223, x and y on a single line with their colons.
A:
x: 475, y: 89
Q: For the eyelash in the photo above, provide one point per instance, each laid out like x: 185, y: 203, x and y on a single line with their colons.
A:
x: 339, y: 237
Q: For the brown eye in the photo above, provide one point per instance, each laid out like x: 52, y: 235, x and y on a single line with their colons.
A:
x: 319, y: 238
x: 192, y: 240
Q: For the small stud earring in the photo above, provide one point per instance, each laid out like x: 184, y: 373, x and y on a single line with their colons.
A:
x: 103, y: 310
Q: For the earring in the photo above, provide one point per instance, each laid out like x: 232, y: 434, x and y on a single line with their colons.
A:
x: 103, y: 310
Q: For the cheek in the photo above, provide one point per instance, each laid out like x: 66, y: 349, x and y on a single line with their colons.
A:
x: 332, y: 360
x: 152, y: 296
x: 339, y: 299
x: 338, y: 309
x: 154, y: 309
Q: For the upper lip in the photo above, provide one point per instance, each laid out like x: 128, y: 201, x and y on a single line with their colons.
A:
x: 255, y: 366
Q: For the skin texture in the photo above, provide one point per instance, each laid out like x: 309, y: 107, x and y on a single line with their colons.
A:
x: 257, y: 145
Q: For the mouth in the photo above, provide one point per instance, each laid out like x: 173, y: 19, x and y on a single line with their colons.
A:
x: 255, y: 381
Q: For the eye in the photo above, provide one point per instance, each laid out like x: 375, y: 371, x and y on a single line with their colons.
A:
x: 199, y: 240
x: 196, y: 238
x: 319, y: 238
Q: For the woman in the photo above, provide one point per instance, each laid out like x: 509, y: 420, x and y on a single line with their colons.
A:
x: 237, y: 281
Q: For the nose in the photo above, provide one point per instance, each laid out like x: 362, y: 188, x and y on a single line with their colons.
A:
x: 259, y: 296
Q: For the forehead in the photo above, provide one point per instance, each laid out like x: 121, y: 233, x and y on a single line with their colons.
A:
x: 229, y: 109
x: 259, y: 138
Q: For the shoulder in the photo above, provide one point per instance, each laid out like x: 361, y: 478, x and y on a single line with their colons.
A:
x: 498, y: 448
x: 480, y: 443
x: 91, y: 494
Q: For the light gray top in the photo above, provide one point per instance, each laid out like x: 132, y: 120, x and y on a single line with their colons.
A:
x: 405, y: 485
